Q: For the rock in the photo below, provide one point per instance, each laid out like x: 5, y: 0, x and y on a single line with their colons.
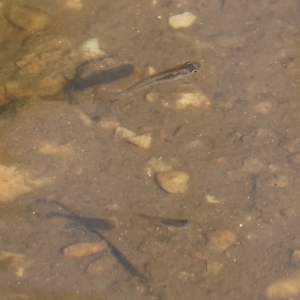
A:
x: 295, y: 258
x: 51, y: 85
x: 108, y: 123
x: 28, y: 18
x: 64, y: 152
x: 156, y: 165
x: 143, y: 141
x: 183, y: 20
x: 122, y: 133
x: 190, y: 99
x: 84, y: 249
x: 73, y: 4
x: 173, y: 181
x: 221, y: 240
x: 263, y: 108
x: 18, y: 262
x: 86, y: 120
x: 91, y: 50
x: 125, y: 134
x: 285, y: 288
x: 152, y: 97
x: 14, y: 182
x: 212, y: 199
x: 253, y: 166
x: 214, y: 267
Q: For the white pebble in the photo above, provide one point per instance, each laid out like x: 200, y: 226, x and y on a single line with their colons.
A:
x: 191, y: 99
x: 183, y: 20
x: 91, y: 49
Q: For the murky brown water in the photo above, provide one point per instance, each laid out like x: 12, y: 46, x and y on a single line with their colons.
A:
x: 63, y: 176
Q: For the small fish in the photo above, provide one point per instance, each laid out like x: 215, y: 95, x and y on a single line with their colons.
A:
x: 175, y: 73
x: 178, y: 223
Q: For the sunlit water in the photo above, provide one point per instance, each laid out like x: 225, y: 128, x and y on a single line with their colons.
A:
x: 66, y: 179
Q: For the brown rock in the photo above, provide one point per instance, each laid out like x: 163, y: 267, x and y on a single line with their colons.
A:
x: 84, y: 249
x: 285, y: 288
x: 28, y: 18
x: 173, y: 181
x: 221, y: 240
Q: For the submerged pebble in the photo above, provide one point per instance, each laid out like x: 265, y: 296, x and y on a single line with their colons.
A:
x: 221, y: 240
x: 18, y: 262
x: 263, y: 108
x: 73, y: 4
x: 173, y: 181
x: 190, y: 99
x: 28, y: 18
x: 14, y: 182
x: 143, y: 141
x: 156, y: 165
x: 183, y: 20
x: 285, y: 288
x: 91, y: 50
x: 84, y: 249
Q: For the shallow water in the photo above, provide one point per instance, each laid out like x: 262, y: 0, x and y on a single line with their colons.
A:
x: 63, y: 176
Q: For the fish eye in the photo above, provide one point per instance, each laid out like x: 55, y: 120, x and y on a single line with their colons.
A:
x: 194, y: 71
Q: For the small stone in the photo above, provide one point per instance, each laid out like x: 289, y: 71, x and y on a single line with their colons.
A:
x: 156, y: 165
x: 91, y: 49
x: 143, y: 141
x: 122, y: 133
x: 212, y: 199
x: 108, y: 123
x: 183, y: 20
x: 253, y: 166
x: 263, y: 108
x: 86, y: 120
x: 28, y: 18
x: 190, y: 99
x: 64, y: 152
x: 84, y: 249
x: 14, y: 182
x: 214, y: 267
x: 18, y: 262
x: 295, y: 258
x: 73, y: 4
x: 173, y: 181
x: 152, y: 97
x: 51, y: 85
x: 221, y: 240
x: 285, y: 288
